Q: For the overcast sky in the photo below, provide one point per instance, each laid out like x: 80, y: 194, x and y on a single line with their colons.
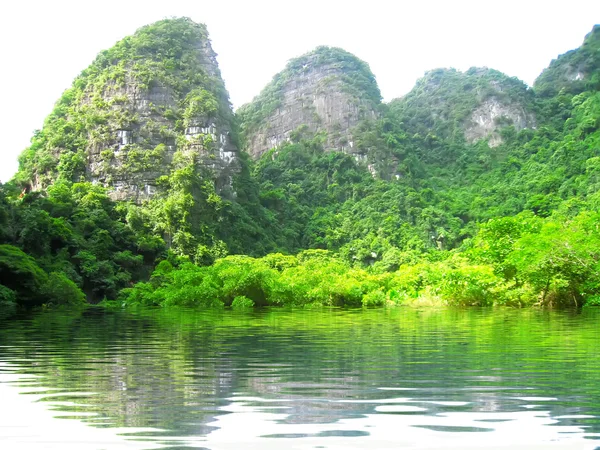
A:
x: 46, y: 44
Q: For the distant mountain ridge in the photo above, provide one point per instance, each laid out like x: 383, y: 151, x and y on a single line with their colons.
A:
x: 573, y: 71
x: 158, y: 95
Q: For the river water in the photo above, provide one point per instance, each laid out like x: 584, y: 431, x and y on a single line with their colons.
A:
x: 300, y: 379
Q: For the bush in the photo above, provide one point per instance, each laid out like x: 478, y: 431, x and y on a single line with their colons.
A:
x: 593, y: 301
x: 20, y: 273
x: 244, y: 276
x: 374, y: 298
x: 242, y: 302
x: 141, y: 294
x: 60, y: 290
x: 471, y: 285
x: 7, y: 296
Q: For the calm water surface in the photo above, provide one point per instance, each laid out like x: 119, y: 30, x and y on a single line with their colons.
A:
x: 282, y: 379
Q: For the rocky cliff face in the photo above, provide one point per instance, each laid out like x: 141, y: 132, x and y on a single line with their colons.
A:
x: 151, y: 103
x: 328, y: 90
x: 472, y: 105
x: 491, y: 115
x: 574, y: 71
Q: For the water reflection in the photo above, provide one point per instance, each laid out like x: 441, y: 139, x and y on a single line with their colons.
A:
x: 301, y: 379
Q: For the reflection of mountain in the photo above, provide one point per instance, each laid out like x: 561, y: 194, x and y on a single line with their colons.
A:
x: 139, y: 376
x: 182, y: 371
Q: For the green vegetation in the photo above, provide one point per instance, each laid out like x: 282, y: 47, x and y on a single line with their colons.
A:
x: 130, y: 109
x: 73, y: 238
x: 575, y: 71
x: 424, y: 218
x: 515, y: 261
x: 443, y: 100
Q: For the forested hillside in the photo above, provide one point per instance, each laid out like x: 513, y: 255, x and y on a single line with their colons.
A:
x: 472, y: 189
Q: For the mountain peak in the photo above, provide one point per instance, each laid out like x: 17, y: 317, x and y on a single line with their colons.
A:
x: 574, y: 71
x: 326, y: 90
x: 153, y: 101
x: 471, y: 105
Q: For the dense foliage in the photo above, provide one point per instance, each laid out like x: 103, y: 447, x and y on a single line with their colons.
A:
x: 575, y: 71
x: 427, y: 217
x: 516, y: 261
x: 72, y: 239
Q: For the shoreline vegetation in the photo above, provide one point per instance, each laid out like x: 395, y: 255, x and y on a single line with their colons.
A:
x: 515, y: 261
x: 420, y: 212
x: 519, y: 261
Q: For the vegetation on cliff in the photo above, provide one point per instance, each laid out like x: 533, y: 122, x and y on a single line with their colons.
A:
x: 148, y: 120
x: 327, y: 90
x: 573, y: 72
x: 431, y: 216
x: 441, y: 103
x: 165, y: 65
x: 354, y: 75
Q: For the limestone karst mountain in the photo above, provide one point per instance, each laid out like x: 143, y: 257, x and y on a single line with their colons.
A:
x: 327, y: 90
x: 149, y: 104
x: 469, y: 106
x: 574, y: 71
x: 464, y: 162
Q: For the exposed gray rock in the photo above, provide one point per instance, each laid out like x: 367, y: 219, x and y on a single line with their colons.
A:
x: 153, y: 103
x: 128, y: 157
x: 491, y: 115
x: 315, y: 93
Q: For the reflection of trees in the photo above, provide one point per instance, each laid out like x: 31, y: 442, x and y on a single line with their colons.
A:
x: 177, y: 370
x: 144, y: 375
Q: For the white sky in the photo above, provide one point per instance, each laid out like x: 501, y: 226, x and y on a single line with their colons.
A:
x: 45, y: 44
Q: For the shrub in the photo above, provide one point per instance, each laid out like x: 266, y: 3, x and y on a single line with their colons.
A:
x: 141, y: 294
x: 593, y: 301
x: 374, y: 298
x: 19, y: 272
x: 60, y: 290
x: 242, y: 302
x: 470, y: 285
x: 7, y: 296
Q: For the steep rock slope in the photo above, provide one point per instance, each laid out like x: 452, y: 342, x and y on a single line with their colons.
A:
x: 327, y: 90
x: 574, y: 71
x: 153, y: 100
x: 469, y: 106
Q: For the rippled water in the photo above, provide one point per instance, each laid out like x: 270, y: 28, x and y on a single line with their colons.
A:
x: 281, y: 379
